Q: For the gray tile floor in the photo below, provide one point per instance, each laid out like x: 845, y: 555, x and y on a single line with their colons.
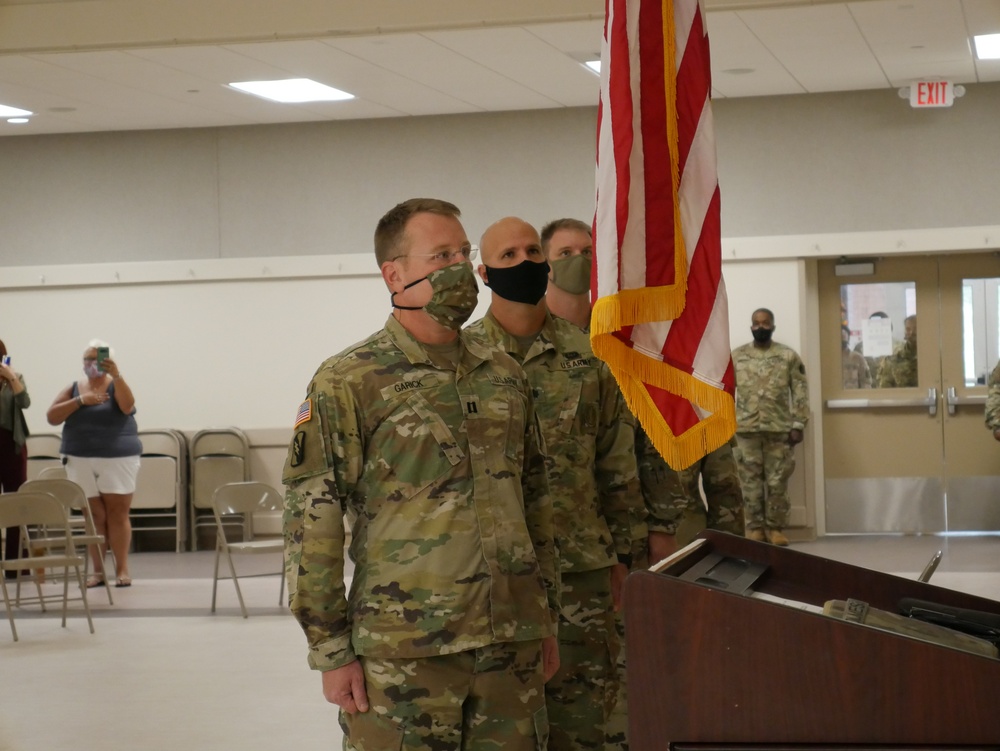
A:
x: 162, y: 672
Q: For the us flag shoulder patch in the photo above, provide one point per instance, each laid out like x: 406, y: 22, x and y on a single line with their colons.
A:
x: 304, y: 414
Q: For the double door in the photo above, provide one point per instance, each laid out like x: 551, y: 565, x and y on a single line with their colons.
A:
x: 906, y: 350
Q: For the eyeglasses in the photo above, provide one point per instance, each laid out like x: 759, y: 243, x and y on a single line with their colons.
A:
x: 445, y: 257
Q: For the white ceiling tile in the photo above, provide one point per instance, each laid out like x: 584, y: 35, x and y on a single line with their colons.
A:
x: 820, y: 46
x: 525, y: 59
x: 988, y: 70
x: 323, y: 62
x: 918, y: 39
x: 982, y: 16
x: 741, y: 64
x: 424, y: 61
x: 572, y: 37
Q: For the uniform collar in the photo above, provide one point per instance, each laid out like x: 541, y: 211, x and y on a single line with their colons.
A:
x: 472, y: 354
x: 543, y: 342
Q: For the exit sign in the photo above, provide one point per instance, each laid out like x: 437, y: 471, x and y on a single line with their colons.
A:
x: 932, y: 94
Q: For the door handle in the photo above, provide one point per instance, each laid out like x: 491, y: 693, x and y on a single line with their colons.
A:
x: 930, y: 402
x: 954, y: 400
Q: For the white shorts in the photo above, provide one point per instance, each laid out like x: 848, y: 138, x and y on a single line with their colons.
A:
x: 98, y: 475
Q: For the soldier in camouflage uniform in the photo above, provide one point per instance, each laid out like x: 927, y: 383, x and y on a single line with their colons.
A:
x: 993, y: 403
x: 899, y: 370
x: 588, y: 435
x: 427, y: 440
x: 674, y: 497
x: 853, y: 366
x: 569, y: 249
x: 772, y: 408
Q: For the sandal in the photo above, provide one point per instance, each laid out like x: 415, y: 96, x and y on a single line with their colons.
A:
x: 124, y: 581
x: 95, y: 581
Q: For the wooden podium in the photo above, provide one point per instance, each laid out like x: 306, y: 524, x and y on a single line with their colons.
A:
x: 712, y: 670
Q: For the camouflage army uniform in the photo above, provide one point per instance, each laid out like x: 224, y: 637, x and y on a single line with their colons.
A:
x: 993, y: 400
x: 674, y: 505
x: 588, y: 436
x: 441, y: 473
x: 874, y: 363
x: 854, y: 371
x: 674, y: 497
x: 899, y: 370
x: 772, y: 399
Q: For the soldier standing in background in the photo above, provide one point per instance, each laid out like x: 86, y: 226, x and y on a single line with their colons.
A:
x: 899, y: 370
x: 426, y: 439
x: 588, y: 434
x: 568, y: 246
x: 853, y: 366
x: 772, y: 409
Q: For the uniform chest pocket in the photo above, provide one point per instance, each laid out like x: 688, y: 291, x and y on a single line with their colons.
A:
x: 413, y: 446
x: 437, y: 427
x: 499, y: 425
x: 578, y: 409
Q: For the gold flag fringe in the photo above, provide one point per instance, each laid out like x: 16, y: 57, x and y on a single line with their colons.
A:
x: 632, y: 369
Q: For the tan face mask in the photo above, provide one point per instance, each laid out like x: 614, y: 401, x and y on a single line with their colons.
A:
x: 572, y: 274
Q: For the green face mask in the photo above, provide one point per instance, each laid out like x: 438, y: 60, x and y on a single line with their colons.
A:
x: 572, y: 274
x: 455, y: 295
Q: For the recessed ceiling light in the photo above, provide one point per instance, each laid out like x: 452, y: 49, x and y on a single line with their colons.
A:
x: 292, y: 90
x: 988, y: 46
x: 738, y: 71
x: 6, y: 111
x: 18, y: 120
x: 594, y: 65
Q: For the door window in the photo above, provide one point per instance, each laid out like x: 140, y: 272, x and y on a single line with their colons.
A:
x: 878, y: 335
x: 980, y: 329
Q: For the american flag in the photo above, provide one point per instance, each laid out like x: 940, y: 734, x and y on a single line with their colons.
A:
x: 661, y: 319
x: 304, y: 414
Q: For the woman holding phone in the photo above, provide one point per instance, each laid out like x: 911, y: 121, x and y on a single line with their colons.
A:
x: 13, y: 435
x: 100, y: 447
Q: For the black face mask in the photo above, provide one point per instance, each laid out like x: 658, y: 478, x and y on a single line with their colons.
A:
x: 762, y: 336
x: 525, y: 283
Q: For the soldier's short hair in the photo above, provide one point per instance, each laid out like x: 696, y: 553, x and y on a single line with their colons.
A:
x: 763, y: 310
x: 391, y: 227
x: 554, y: 226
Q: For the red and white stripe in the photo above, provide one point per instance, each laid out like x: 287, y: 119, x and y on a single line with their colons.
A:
x: 648, y: 165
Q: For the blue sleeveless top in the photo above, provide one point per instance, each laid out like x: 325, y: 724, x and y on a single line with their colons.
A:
x: 100, y: 430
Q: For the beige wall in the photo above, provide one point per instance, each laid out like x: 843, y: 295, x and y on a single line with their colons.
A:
x: 226, y: 264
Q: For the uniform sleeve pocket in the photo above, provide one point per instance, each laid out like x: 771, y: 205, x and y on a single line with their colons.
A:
x: 308, y: 454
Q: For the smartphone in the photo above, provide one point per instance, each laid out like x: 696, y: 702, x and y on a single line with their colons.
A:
x: 102, y: 355
x: 5, y: 360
